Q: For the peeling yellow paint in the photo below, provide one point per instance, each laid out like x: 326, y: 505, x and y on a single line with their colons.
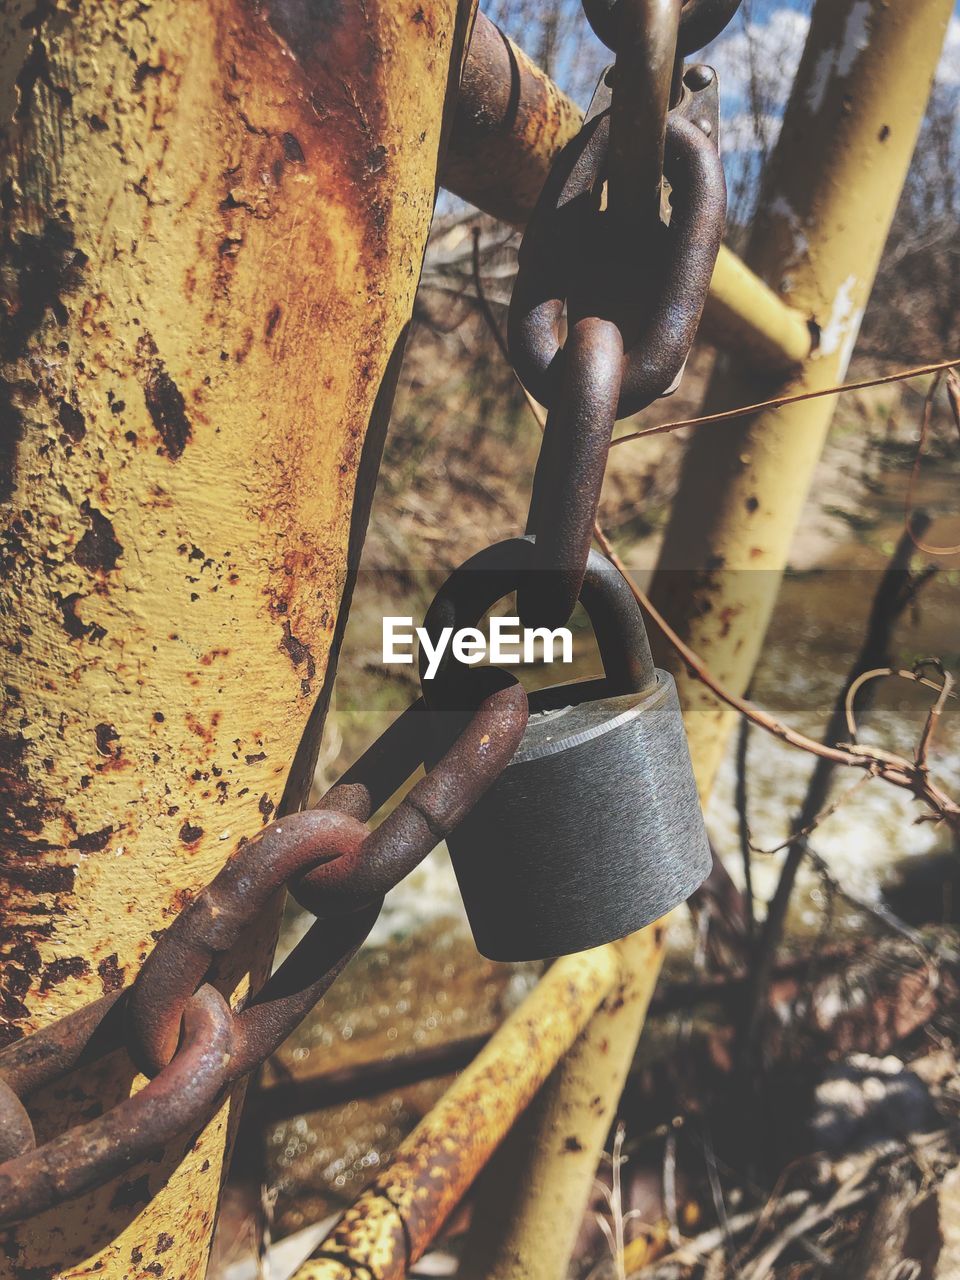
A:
x: 214, y: 216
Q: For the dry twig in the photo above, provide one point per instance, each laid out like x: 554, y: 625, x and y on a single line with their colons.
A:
x: 779, y: 402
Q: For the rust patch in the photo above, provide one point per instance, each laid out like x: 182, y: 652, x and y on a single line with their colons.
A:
x: 106, y: 735
x: 299, y: 654
x: 292, y: 149
x: 273, y: 318
x: 190, y: 834
x: 12, y: 426
x: 111, y: 973
x: 98, y: 550
x: 40, y: 272
x: 72, y: 421
x: 40, y: 877
x: 58, y: 971
x: 93, y: 841
x: 164, y: 401
x: 74, y: 626
x: 129, y: 1194
x: 726, y: 617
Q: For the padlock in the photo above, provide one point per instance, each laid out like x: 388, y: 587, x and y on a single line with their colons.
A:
x: 594, y: 830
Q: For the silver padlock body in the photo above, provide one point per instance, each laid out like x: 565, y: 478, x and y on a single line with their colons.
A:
x: 592, y: 832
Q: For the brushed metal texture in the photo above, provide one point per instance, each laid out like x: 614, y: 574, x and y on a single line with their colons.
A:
x: 593, y: 831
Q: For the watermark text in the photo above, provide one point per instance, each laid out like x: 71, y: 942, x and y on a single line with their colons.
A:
x: 508, y: 643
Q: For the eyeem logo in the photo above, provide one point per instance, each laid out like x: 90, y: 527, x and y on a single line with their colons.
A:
x: 509, y: 642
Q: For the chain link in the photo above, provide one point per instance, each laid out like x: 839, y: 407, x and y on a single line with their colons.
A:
x: 700, y: 21
x: 175, y: 1021
x: 631, y: 278
x: 176, y: 1024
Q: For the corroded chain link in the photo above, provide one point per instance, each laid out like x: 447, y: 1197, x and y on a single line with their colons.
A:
x: 174, y: 1020
x: 633, y: 288
x: 630, y: 275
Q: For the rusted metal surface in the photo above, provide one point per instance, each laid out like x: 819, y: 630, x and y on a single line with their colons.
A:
x: 570, y: 469
x: 337, y: 867
x: 33, y: 1062
x: 391, y: 1224
x: 476, y: 756
x: 633, y: 291
x: 213, y: 218
x: 643, y: 83
x: 91, y: 1154
x: 508, y: 125
x: 183, y: 1032
x: 653, y: 287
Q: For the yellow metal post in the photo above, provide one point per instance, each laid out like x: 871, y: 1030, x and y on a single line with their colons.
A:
x: 825, y: 210
x: 393, y: 1221
x: 214, y: 215
x: 532, y: 1198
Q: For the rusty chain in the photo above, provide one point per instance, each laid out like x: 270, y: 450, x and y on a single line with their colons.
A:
x: 175, y: 1021
x: 631, y: 277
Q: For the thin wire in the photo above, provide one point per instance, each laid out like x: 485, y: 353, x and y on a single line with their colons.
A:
x: 779, y: 401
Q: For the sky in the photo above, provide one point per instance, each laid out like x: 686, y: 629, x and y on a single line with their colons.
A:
x: 779, y: 27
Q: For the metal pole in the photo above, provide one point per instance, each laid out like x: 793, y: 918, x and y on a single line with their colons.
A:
x: 388, y: 1228
x: 214, y: 218
x: 533, y: 1196
x: 825, y: 211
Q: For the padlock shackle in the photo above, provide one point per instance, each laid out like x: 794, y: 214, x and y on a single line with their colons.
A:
x: 495, y: 572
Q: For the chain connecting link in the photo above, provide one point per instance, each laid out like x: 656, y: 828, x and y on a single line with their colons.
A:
x: 175, y: 1021
x: 630, y: 275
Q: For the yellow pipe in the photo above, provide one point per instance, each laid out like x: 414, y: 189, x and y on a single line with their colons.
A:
x: 388, y: 1228
x: 531, y: 1200
x: 746, y: 318
x: 831, y: 192
x: 214, y: 216
x: 510, y: 122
